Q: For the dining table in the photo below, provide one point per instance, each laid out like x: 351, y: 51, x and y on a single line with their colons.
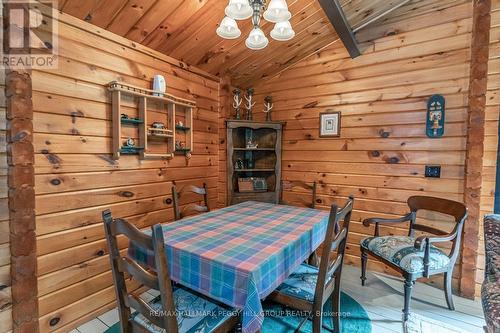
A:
x: 239, y: 254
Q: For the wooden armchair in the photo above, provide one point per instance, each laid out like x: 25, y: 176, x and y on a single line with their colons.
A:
x: 192, y: 208
x: 416, y: 257
x: 309, y: 288
x: 160, y: 314
x: 301, y: 184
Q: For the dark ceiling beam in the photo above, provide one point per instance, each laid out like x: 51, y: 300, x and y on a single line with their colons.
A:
x: 335, y: 14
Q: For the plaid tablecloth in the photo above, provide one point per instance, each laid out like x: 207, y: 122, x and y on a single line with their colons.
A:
x: 239, y: 254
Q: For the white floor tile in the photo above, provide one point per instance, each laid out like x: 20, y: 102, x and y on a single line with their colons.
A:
x: 110, y: 318
x: 93, y: 326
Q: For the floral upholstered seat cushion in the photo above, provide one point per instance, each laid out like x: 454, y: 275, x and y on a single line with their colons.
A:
x: 400, y: 251
x: 301, y: 283
x: 195, y: 314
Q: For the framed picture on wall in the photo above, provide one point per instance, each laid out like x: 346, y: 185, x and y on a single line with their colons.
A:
x: 329, y: 124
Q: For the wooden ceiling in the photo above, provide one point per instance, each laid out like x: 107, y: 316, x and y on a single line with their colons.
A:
x: 185, y: 30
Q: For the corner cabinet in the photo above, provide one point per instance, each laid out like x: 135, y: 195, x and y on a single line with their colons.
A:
x: 253, y: 161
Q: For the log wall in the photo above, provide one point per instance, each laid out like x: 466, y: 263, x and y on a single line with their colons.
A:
x: 76, y: 178
x: 382, y: 152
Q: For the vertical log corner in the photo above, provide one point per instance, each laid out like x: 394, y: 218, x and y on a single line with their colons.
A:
x: 475, y: 142
x: 20, y: 158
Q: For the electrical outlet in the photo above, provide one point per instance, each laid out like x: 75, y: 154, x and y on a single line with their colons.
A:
x: 433, y: 171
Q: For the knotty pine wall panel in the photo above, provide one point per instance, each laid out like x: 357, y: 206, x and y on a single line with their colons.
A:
x: 381, y: 155
x: 76, y: 177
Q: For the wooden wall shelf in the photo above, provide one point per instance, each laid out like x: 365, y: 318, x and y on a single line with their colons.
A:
x: 144, y: 107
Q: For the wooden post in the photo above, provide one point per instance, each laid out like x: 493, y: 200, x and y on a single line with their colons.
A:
x: 225, y: 100
x: 21, y: 200
x: 475, y: 140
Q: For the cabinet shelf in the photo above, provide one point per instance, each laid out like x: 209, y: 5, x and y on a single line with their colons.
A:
x: 182, y: 128
x: 130, y: 121
x: 254, y: 170
x: 254, y: 149
x: 160, y: 136
x: 131, y: 151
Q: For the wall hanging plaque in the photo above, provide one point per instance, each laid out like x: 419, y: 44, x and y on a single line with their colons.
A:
x: 329, y: 124
x: 435, y: 116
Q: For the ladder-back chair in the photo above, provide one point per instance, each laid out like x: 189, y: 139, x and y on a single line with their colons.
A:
x: 191, y: 208
x: 160, y: 314
x: 309, y: 288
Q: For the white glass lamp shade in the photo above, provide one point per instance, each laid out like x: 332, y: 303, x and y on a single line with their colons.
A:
x: 239, y: 9
x: 256, y: 40
x: 282, y: 31
x: 277, y: 11
x: 228, y: 29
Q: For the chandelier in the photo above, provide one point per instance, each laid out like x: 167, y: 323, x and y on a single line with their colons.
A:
x: 276, y: 12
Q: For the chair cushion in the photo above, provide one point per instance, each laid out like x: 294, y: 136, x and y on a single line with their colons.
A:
x: 400, y: 251
x: 195, y: 313
x: 301, y: 283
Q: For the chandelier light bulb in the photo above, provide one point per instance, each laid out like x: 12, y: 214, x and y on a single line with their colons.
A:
x: 256, y: 39
x: 228, y: 29
x: 277, y: 11
x: 239, y: 9
x: 282, y: 31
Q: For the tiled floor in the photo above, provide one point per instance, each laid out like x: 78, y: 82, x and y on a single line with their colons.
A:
x: 382, y: 298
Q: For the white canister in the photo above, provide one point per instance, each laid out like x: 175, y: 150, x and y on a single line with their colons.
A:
x: 159, y: 85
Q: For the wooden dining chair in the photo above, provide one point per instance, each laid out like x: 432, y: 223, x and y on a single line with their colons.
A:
x: 191, y: 208
x: 309, y: 288
x: 165, y: 313
x: 313, y: 258
x: 303, y: 185
x: 416, y: 257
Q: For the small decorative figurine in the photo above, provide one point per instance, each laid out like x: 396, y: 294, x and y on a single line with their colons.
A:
x: 180, y: 124
x: 435, y: 116
x: 251, y: 144
x: 239, y: 164
x: 179, y: 145
x: 268, y: 107
x: 250, y: 103
x: 158, y: 125
x: 129, y: 143
x: 237, y: 103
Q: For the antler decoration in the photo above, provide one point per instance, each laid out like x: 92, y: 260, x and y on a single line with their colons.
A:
x: 237, y: 102
x: 250, y: 103
x: 268, y: 107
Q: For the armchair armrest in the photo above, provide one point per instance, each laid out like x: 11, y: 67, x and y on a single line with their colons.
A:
x: 424, y: 243
x: 378, y: 221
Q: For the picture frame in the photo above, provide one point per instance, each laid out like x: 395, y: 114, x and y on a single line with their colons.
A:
x: 329, y: 124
